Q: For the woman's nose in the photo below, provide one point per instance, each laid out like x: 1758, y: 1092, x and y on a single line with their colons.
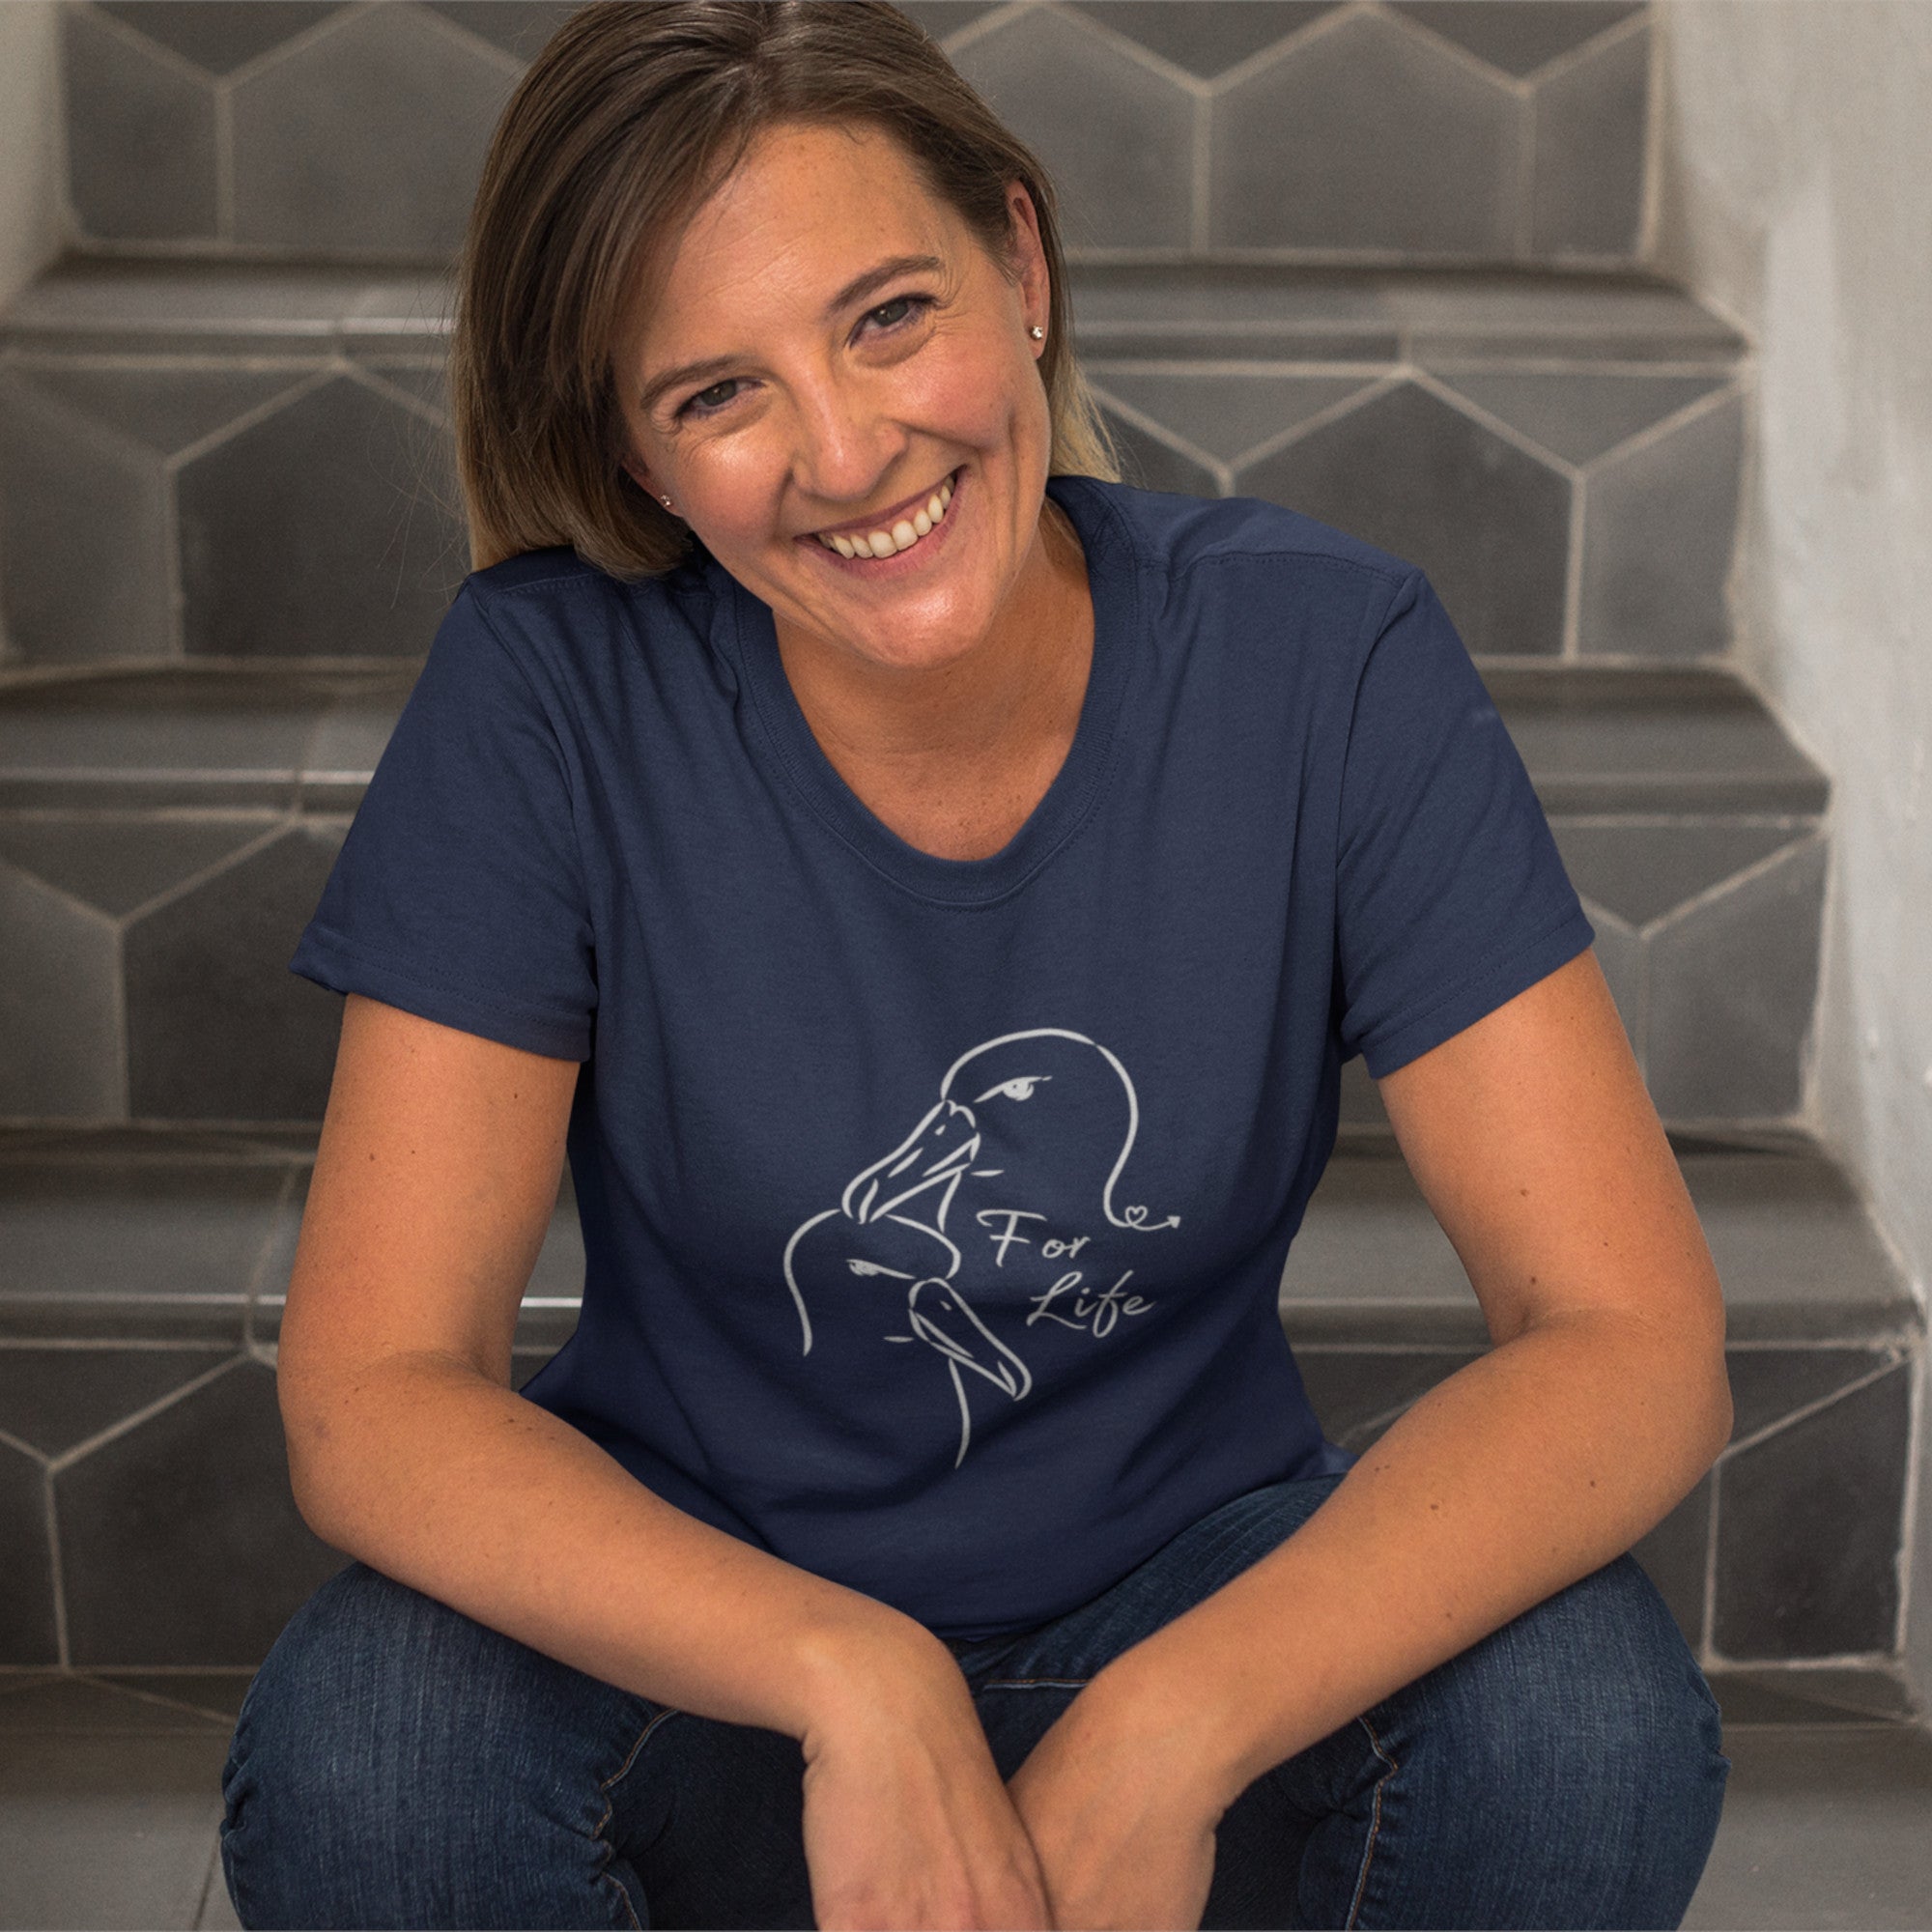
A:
x: 844, y: 444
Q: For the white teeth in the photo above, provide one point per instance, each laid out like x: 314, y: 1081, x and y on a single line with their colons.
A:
x: 922, y: 522
x: 861, y: 545
x: 903, y: 535
x: 934, y: 508
x: 843, y: 545
x: 884, y: 542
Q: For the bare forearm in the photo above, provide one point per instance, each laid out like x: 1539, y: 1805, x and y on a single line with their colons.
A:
x: 1527, y: 1469
x: 448, y: 1481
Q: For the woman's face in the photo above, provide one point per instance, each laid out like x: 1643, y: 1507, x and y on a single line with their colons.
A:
x: 829, y: 349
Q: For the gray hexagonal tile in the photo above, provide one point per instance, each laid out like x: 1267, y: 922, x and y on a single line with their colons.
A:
x: 1116, y: 138
x: 219, y: 36
x: 54, y: 1399
x: 1152, y: 462
x: 324, y: 528
x: 370, y: 137
x: 60, y: 996
x: 27, y: 1602
x: 1365, y: 136
x: 1490, y: 525
x: 140, y: 136
x: 180, y: 1541
x: 1519, y: 36
x: 119, y: 862
x: 1586, y: 174
x: 518, y: 27
x: 1207, y: 37
x: 167, y: 405
x: 1579, y: 414
x: 1224, y: 416
x: 1643, y: 871
x: 83, y: 528
x: 218, y: 1027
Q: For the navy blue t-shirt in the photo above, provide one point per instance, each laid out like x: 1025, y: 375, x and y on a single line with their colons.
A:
x: 934, y: 1211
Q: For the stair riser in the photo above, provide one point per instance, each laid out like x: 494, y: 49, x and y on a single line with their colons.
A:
x: 1346, y: 131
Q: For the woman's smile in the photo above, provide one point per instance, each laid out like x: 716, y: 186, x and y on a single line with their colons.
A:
x: 878, y: 547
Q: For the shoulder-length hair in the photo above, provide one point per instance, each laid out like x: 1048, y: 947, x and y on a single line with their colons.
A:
x: 623, y: 125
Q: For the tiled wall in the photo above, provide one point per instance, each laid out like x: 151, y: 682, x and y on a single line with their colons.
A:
x: 1451, y: 130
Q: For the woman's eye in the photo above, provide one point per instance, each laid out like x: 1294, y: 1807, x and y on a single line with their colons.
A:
x: 713, y: 398
x: 898, y: 311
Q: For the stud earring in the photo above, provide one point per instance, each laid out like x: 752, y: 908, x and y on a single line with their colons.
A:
x: 665, y: 501
x: 1037, y: 334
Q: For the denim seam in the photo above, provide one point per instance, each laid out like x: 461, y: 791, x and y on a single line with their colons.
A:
x: 608, y: 1849
x: 1375, y: 1821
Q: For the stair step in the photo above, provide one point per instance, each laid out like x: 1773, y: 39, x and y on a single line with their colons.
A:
x: 144, y: 1275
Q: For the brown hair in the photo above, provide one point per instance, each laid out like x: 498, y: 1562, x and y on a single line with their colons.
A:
x: 625, y: 122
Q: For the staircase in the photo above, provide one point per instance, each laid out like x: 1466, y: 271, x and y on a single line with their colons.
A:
x: 1380, y: 261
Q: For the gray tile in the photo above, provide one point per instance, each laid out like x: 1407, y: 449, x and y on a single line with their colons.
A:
x: 1621, y: 954
x: 323, y: 529
x: 1659, y: 522
x: 1150, y: 462
x: 60, y: 1000
x: 372, y: 137
x: 1353, y: 1389
x: 116, y: 862
x: 426, y: 379
x: 218, y: 1027
x: 179, y: 1541
x: 941, y: 18
x: 1207, y: 37
x: 1116, y: 138
x: 518, y: 27
x: 1821, y: 1827
x: 1643, y: 871
x: 1810, y: 1694
x: 219, y: 36
x: 215, y: 1694
x: 1733, y: 984
x: 1768, y: 1383
x: 83, y: 527
x: 351, y: 734
x: 1489, y: 525
x: 1366, y: 138
x: 1652, y: 740
x: 140, y: 138
x: 64, y: 1705
x: 1586, y: 175
x: 1517, y: 36
x: 27, y: 1604
x: 1579, y: 414
x: 1224, y: 416
x: 1673, y: 1558
x: 166, y: 406
x: 177, y: 1236
x: 104, y: 1833
x: 1361, y: 1098
x: 1808, y: 1528
x: 218, y: 1909
x: 53, y: 1399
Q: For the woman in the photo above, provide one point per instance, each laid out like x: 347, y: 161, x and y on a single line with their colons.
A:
x: 928, y: 889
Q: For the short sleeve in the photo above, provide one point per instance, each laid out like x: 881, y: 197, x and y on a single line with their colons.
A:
x: 1451, y: 895
x: 458, y: 893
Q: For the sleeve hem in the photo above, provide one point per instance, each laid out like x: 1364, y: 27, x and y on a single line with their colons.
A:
x: 332, y: 961
x: 1408, y: 1036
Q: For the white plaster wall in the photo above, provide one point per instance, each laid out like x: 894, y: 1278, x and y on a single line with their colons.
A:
x: 32, y: 205
x: 1794, y: 188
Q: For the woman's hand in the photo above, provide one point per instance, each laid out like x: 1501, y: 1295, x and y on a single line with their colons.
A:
x: 1124, y: 1828
x: 907, y: 1824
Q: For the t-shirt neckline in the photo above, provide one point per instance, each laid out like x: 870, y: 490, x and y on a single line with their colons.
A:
x: 1112, y: 580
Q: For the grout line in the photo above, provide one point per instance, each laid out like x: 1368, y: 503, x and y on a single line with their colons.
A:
x: 128, y: 1423
x: 1733, y: 882
x: 123, y: 1062
x: 1707, y: 1651
x: 1202, y: 210
x: 314, y: 376
x: 1527, y: 115
x: 1692, y: 412
x: 63, y: 1646
x: 253, y: 1293
x: 224, y: 159
x: 194, y: 881
x: 1811, y: 1408
x: 1573, y: 571
x: 1276, y: 51
x: 1159, y: 431
x: 1426, y: 378
x: 1656, y: 87
x: 1341, y: 406
x: 1908, y: 1542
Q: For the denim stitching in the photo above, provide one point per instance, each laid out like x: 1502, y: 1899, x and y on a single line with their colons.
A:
x: 1375, y: 1821
x: 608, y: 1850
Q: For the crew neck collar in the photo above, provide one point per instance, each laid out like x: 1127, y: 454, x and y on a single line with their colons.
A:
x: 1114, y: 583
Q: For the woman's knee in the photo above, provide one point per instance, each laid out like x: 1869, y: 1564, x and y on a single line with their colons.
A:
x: 392, y: 1755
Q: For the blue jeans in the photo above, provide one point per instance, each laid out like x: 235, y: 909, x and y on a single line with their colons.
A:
x: 396, y: 1764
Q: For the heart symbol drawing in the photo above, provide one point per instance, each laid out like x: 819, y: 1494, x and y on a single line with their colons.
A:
x: 1134, y: 1217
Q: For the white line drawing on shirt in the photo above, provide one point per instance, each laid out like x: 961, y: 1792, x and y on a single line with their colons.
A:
x: 904, y: 1200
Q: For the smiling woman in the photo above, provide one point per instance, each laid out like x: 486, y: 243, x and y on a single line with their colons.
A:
x: 927, y: 890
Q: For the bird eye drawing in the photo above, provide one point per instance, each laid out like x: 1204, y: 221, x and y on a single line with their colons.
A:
x: 1007, y: 1200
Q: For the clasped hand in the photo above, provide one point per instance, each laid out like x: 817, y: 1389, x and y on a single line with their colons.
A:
x: 907, y: 1824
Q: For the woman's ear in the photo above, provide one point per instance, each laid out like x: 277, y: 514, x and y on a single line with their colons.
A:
x: 1028, y: 253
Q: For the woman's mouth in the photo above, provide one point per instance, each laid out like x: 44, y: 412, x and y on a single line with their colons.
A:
x: 905, y: 530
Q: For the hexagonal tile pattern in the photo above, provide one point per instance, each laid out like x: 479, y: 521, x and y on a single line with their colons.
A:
x: 324, y: 529
x: 517, y: 27
x: 1365, y: 136
x: 119, y: 863
x: 1586, y: 174
x: 219, y: 36
x: 1643, y: 871
x: 1733, y: 984
x: 180, y: 1541
x: 1518, y: 37
x: 1151, y: 460
x: 165, y: 406
x: 218, y: 1027
x: 1225, y: 415
x: 1207, y: 37
x: 141, y: 153
x: 1116, y: 138
x: 1808, y: 1528
x: 1770, y: 1384
x: 59, y: 994
x: 371, y: 136
x: 53, y: 1400
x: 1579, y: 414
x: 1490, y: 525
x: 27, y: 1634
x: 83, y: 529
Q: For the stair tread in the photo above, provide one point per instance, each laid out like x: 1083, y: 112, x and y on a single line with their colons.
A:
x: 1595, y: 739
x: 209, y: 1217
x: 1190, y: 306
